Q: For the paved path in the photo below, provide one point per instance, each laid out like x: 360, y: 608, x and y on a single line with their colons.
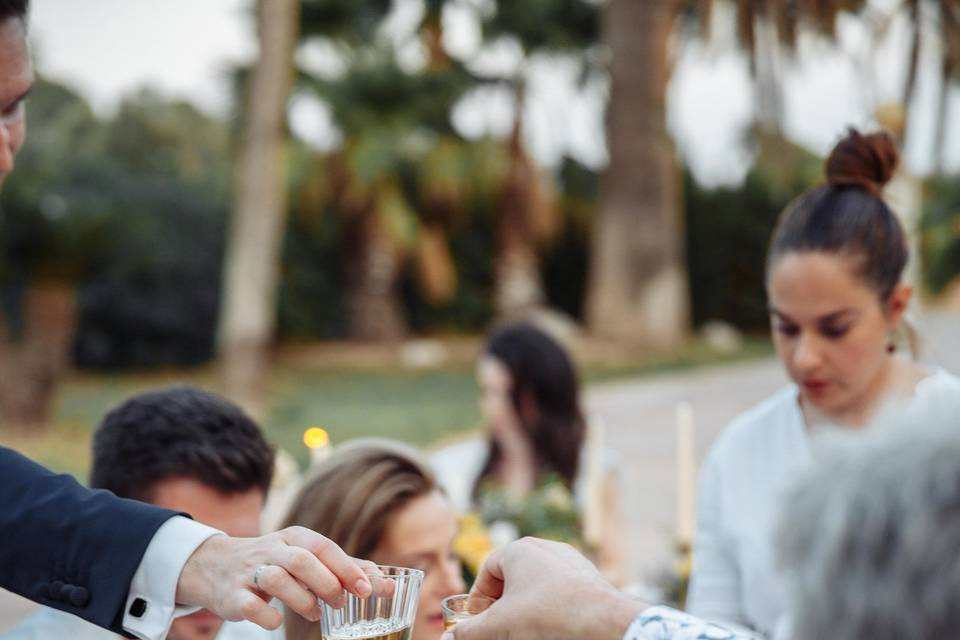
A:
x: 640, y: 425
x: 639, y: 415
x: 940, y: 339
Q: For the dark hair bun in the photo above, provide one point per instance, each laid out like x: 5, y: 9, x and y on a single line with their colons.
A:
x: 863, y: 161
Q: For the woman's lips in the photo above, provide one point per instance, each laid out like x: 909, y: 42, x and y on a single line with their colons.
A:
x: 814, y: 386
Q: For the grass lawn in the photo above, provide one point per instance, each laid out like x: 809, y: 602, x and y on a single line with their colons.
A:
x: 420, y: 407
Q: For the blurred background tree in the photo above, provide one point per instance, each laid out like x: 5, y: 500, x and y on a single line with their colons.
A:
x: 397, y: 185
x: 941, y: 236
x: 251, y: 272
x: 49, y: 233
x: 94, y: 256
x: 402, y: 224
x: 637, y: 289
x: 529, y: 215
x: 171, y: 169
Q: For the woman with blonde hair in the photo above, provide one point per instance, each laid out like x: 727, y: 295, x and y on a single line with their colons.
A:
x: 378, y: 501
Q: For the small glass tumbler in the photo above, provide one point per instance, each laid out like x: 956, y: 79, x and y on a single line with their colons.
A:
x: 463, y: 606
x: 387, y: 614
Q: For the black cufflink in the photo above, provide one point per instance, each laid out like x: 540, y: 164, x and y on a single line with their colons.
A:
x: 138, y: 607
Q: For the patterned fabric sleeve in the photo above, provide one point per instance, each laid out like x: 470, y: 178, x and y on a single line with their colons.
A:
x: 664, y: 623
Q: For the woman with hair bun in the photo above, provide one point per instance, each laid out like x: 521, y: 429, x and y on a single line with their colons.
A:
x: 836, y: 303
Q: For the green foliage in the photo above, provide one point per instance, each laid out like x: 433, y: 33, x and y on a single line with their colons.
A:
x: 728, y: 231
x: 355, y: 20
x: 311, y: 260
x: 565, y: 263
x: 51, y: 223
x: 131, y: 210
x: 151, y: 136
x: 940, y: 228
x: 377, y: 92
x: 401, y: 170
x: 727, y: 235
x: 545, y: 25
x: 166, y: 171
x: 313, y: 255
x: 154, y: 298
x: 471, y: 307
x: 549, y: 511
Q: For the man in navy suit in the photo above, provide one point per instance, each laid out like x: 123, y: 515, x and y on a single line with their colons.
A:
x: 122, y: 564
x: 186, y: 450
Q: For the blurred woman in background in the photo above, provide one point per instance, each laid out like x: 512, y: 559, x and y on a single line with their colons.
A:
x: 534, y: 471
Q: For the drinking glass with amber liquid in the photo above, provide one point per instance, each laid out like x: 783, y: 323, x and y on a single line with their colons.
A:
x: 387, y: 614
x: 462, y: 607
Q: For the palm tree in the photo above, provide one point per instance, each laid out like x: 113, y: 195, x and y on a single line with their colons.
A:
x: 768, y: 28
x: 399, y: 181
x: 251, y: 268
x: 402, y: 176
x: 637, y: 289
x: 528, y: 211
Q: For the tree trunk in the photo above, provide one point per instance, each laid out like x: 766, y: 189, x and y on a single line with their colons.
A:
x: 518, y: 286
x: 767, y: 73
x: 950, y: 31
x: 913, y: 63
x: 943, y: 111
x: 33, y: 362
x: 374, y: 309
x: 251, y: 269
x: 638, y: 286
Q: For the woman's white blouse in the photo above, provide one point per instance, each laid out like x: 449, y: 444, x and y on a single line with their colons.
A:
x: 735, y: 580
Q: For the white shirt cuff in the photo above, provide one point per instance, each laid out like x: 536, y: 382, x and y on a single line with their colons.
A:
x: 151, y: 604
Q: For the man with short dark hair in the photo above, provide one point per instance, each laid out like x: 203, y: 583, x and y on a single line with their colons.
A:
x: 186, y: 450
x: 180, y: 432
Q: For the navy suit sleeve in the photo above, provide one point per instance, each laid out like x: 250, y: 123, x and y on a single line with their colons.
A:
x: 68, y: 547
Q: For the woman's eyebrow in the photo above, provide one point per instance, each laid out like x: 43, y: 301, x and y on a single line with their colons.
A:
x: 837, y: 315
x: 781, y: 315
x: 829, y: 317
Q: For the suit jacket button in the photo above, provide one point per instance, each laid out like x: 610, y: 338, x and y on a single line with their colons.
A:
x: 79, y: 597
x: 65, y: 592
x: 53, y: 589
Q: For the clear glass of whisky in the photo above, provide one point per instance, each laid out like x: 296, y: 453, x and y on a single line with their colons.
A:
x: 387, y: 614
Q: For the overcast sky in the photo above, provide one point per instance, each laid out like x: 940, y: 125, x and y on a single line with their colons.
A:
x: 109, y: 48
